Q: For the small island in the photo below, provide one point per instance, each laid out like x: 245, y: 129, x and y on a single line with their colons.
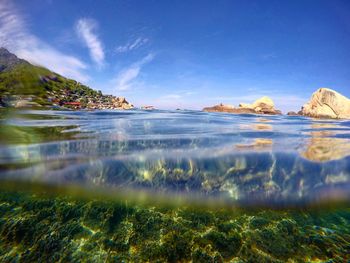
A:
x: 264, y: 105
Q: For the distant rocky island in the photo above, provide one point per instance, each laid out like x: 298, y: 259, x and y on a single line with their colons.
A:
x: 23, y: 85
x: 324, y: 103
x: 264, y: 105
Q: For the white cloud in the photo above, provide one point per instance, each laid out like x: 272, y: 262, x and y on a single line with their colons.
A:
x: 172, y: 97
x: 15, y: 36
x: 177, y: 96
x: 131, y: 45
x: 86, y: 30
x: 127, y: 76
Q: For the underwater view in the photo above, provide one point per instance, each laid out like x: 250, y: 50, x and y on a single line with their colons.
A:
x: 175, y: 131
x: 173, y: 186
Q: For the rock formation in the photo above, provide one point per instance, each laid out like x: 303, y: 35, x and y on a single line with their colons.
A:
x: 122, y: 103
x: 263, y: 105
x: 221, y: 108
x: 327, y: 103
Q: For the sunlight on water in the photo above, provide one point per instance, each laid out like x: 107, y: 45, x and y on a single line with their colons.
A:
x: 240, y: 159
x: 183, y: 186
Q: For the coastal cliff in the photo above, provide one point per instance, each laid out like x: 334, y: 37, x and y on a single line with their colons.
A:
x: 24, y: 85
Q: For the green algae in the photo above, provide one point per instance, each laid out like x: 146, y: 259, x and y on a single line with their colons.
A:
x: 11, y: 134
x: 36, y: 227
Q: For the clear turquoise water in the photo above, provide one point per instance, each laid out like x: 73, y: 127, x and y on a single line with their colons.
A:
x: 173, y: 186
x: 242, y: 159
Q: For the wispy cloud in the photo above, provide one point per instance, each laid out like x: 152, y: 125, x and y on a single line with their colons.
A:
x: 177, y: 96
x: 86, y: 29
x: 127, y: 76
x: 132, y: 45
x: 14, y: 35
x: 172, y: 97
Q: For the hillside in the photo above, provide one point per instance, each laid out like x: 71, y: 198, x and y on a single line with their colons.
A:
x: 23, y: 84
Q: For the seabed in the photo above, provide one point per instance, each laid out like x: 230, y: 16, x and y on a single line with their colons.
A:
x: 38, y: 228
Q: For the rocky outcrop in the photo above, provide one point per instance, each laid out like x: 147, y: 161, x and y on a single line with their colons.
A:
x: 221, y: 108
x: 122, y: 103
x: 25, y: 85
x: 8, y: 60
x: 327, y: 103
x: 292, y: 113
x: 263, y: 105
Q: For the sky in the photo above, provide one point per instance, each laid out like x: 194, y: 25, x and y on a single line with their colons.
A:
x: 187, y: 54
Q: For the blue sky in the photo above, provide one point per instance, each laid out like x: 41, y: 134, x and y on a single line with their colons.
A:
x: 187, y: 54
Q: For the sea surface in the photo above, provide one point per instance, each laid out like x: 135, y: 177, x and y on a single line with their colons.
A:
x: 173, y: 186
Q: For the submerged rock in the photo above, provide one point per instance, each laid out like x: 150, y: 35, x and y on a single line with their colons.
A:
x: 327, y: 103
x: 264, y: 105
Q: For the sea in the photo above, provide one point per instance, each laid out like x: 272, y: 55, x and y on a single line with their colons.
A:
x: 173, y: 186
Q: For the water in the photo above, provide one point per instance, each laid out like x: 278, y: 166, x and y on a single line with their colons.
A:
x: 195, y: 186
x: 234, y: 158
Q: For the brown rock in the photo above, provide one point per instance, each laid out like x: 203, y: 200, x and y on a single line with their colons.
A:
x: 229, y: 109
x: 263, y: 105
x: 292, y: 113
x: 327, y: 103
x: 122, y: 103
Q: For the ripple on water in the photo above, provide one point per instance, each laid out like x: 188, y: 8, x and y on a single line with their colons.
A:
x: 236, y: 158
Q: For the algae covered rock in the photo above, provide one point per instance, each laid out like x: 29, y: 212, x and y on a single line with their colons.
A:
x: 327, y: 103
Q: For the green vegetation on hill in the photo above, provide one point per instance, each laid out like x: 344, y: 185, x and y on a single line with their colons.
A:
x: 22, y: 79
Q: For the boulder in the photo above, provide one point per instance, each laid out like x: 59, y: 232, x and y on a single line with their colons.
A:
x: 292, y: 113
x: 122, y: 103
x: 127, y: 106
x: 263, y: 105
x: 245, y: 105
x: 327, y: 103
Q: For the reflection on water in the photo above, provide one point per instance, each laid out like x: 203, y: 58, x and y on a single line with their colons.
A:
x: 235, y: 158
x: 326, y: 149
x: 257, y: 144
x: 328, y: 142
x: 184, y: 186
